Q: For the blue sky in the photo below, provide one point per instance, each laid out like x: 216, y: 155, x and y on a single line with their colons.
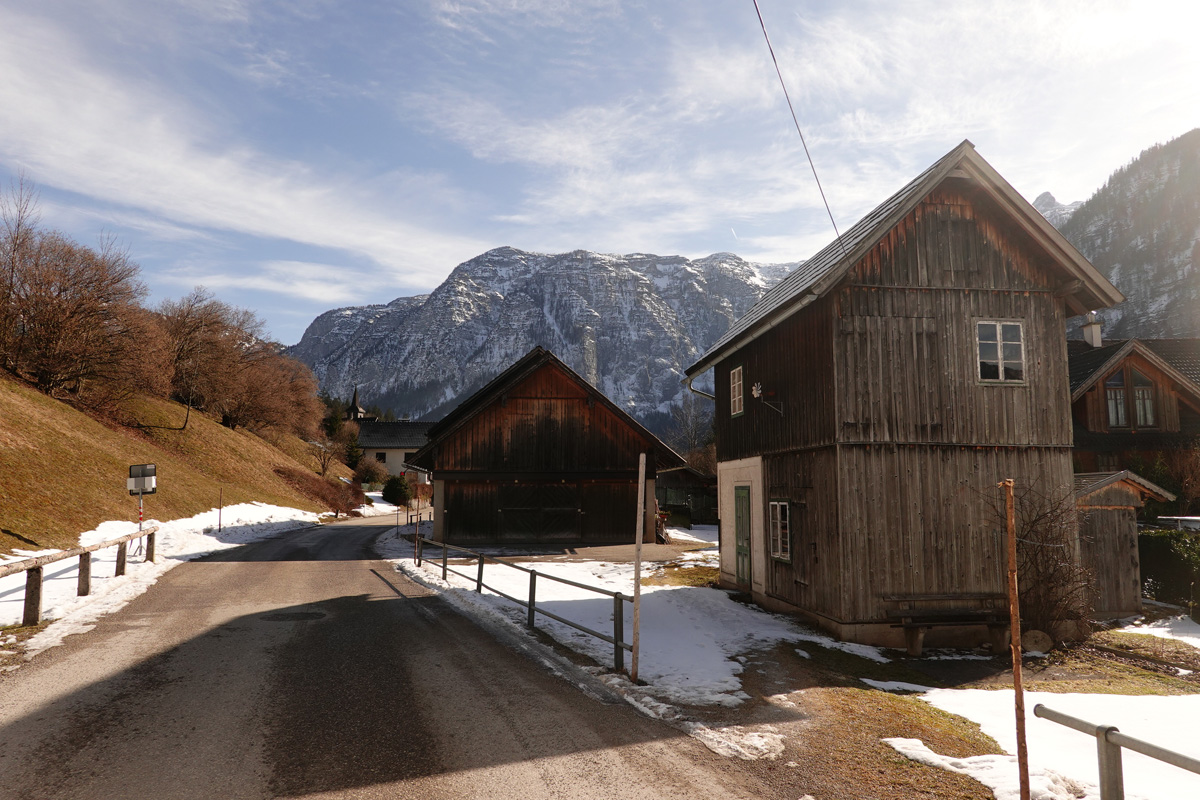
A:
x: 298, y: 156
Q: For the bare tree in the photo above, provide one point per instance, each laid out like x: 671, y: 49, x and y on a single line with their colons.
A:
x: 326, y: 452
x: 19, y: 218
x: 1056, y: 589
x: 691, y: 424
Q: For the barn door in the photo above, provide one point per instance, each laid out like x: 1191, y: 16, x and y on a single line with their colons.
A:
x: 741, y: 533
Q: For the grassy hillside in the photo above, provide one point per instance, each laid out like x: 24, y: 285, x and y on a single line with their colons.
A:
x: 63, y: 472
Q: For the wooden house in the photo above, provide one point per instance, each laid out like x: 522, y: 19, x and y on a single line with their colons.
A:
x: 1132, y: 400
x: 1108, y: 504
x: 540, y: 455
x: 393, y: 443
x: 868, y: 405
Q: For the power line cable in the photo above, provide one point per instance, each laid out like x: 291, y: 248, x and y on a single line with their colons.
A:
x: 792, y: 109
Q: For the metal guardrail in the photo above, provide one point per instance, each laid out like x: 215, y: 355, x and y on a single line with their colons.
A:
x: 1109, y: 742
x: 619, y: 646
x: 32, y: 567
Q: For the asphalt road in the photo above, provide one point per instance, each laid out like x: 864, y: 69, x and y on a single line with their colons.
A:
x: 303, y: 667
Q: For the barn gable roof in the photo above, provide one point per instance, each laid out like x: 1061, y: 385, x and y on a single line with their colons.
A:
x: 821, y: 273
x: 534, y: 360
x: 1178, y: 358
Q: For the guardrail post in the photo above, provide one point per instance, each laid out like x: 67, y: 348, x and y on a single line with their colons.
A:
x: 33, y: 596
x: 85, y: 575
x: 479, y: 580
x: 444, y: 551
x: 122, y: 552
x: 1112, y: 779
x: 150, y: 545
x: 532, y: 595
x: 417, y: 546
x: 618, y: 632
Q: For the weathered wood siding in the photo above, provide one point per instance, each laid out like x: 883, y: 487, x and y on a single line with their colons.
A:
x: 906, y: 354
x: 794, y: 364
x: 922, y: 521
x: 1109, y: 548
x: 813, y: 579
x: 546, y: 423
x: 544, y: 462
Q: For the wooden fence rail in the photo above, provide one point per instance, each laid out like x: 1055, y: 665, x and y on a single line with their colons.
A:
x: 618, y: 634
x: 32, y: 567
x: 1109, y: 742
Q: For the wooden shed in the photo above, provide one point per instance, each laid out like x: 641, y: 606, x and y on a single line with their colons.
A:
x: 1108, y: 503
x: 540, y: 455
x: 868, y: 405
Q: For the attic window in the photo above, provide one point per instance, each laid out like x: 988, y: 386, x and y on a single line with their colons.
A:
x: 1123, y: 404
x: 735, y: 392
x: 1001, y: 351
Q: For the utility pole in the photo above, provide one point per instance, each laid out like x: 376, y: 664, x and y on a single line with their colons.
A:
x: 1014, y: 613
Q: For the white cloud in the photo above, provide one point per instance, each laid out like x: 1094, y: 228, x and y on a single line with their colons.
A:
x: 73, y: 125
x: 323, y: 283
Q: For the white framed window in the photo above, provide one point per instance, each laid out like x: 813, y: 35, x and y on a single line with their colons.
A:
x: 736, y: 402
x: 781, y: 532
x: 1143, y: 400
x: 1114, y: 393
x: 1000, y: 345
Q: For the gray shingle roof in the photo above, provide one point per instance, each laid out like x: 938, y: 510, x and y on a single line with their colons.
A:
x: 1181, y: 355
x: 1089, y: 482
x: 402, y: 435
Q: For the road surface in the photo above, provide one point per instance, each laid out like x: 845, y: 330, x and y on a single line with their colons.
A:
x: 303, y: 667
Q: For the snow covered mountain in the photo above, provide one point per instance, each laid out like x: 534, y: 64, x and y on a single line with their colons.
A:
x: 1056, y: 213
x: 629, y: 324
x: 1142, y: 231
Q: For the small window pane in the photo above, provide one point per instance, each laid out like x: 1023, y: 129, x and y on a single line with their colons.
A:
x: 735, y: 391
x: 1012, y: 352
x: 1013, y: 372
x: 987, y: 331
x: 989, y: 370
x: 1116, y: 407
x: 1141, y: 380
x: 1011, y: 333
x: 989, y: 351
x: 1117, y: 379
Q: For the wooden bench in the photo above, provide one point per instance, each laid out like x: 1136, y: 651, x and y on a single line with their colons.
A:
x: 915, y: 621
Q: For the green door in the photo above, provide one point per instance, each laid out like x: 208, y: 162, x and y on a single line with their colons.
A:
x: 741, y: 533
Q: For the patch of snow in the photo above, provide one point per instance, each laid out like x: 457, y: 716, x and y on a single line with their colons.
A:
x: 697, y: 533
x: 998, y: 773
x: 735, y: 741
x: 1056, y: 751
x: 177, y: 541
x: 1180, y: 628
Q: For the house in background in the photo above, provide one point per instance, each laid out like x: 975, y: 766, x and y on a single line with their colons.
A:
x: 540, y: 455
x: 869, y: 404
x: 687, y: 494
x: 392, y: 443
x: 1132, y: 400
x: 1108, y: 503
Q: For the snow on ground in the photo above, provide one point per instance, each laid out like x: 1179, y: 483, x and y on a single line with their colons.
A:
x: 1181, y: 628
x: 1063, y: 761
x: 697, y: 533
x: 177, y: 541
x: 690, y: 636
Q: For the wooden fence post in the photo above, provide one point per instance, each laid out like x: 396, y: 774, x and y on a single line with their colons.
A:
x: 150, y: 545
x: 122, y: 553
x: 532, y: 595
x: 618, y: 632
x: 479, y: 580
x: 85, y: 575
x: 33, y: 597
x: 444, y: 551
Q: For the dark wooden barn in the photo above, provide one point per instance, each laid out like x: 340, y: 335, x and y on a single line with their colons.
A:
x: 540, y: 455
x: 1133, y: 400
x: 1108, y: 503
x: 868, y: 405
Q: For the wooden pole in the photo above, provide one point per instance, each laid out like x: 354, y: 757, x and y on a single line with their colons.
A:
x: 1014, y: 613
x: 637, y: 568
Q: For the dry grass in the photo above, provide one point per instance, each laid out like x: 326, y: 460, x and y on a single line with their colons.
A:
x: 63, y: 472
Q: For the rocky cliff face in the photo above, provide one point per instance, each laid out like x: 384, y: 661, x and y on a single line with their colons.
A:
x: 629, y: 324
x: 1142, y: 231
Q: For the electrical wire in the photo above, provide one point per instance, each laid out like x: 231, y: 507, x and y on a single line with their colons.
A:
x: 792, y: 109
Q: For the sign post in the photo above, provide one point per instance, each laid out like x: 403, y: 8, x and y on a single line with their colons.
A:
x: 637, y: 569
x: 142, y: 481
